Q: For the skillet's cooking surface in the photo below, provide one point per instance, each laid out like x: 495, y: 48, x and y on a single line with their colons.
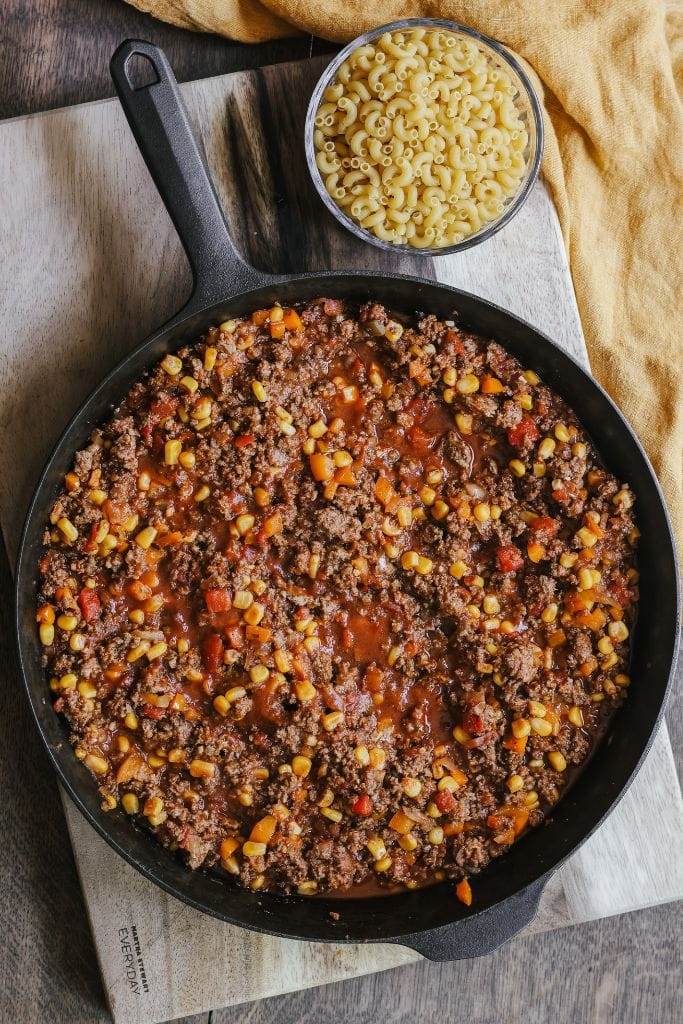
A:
x: 154, y: 116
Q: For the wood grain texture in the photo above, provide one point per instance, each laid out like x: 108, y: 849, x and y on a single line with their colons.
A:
x: 56, y: 52
x: 114, y: 287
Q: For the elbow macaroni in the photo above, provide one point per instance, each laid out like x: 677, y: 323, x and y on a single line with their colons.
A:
x: 426, y: 133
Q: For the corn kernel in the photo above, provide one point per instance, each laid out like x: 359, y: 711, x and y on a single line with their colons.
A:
x: 468, y: 384
x: 146, y: 537
x: 517, y: 467
x: 557, y: 760
x: 67, y: 528
x: 172, y: 450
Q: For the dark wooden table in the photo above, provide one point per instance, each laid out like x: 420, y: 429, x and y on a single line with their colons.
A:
x: 627, y: 969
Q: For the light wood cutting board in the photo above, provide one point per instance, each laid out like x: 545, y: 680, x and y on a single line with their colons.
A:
x: 90, y: 265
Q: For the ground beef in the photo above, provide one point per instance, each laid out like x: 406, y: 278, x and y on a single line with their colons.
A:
x: 338, y: 598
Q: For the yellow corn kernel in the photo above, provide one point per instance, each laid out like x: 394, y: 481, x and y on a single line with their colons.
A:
x: 541, y: 726
x: 301, y: 766
x: 172, y: 450
x: 408, y: 842
x: 546, y: 448
x: 157, y: 650
x: 458, y: 569
x: 440, y: 510
x: 190, y: 384
x: 378, y: 757
x: 383, y: 864
x: 332, y: 813
x: 307, y: 888
x: 515, y: 783
x: 377, y: 848
x: 135, y: 653
x: 259, y: 674
x: 427, y: 495
x: 411, y: 787
x: 517, y: 467
x: 410, y: 560
x: 531, y: 377
x: 332, y: 720
x: 67, y: 528
x: 520, y: 727
x: 46, y: 632
x: 362, y: 755
x: 96, y: 764
x: 463, y: 422
x: 482, y: 512
x: 221, y: 705
x: 305, y: 691
x: 618, y: 632
x: 435, y: 835
x: 130, y: 803
x: 201, y: 769
x: 251, y: 849
x: 254, y: 614
x: 172, y: 365
x: 424, y: 566
x: 557, y: 760
x: 536, y: 709
x: 235, y: 693
x: 468, y: 384
x: 561, y: 433
x: 146, y: 537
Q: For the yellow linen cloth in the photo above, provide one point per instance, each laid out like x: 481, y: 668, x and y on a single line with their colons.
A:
x: 607, y: 71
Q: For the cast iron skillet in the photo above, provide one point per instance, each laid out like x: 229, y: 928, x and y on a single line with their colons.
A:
x: 507, y: 893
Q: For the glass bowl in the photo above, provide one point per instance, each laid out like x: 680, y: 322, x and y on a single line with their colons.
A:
x: 526, y: 101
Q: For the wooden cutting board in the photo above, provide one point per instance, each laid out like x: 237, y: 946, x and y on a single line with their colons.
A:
x: 90, y: 265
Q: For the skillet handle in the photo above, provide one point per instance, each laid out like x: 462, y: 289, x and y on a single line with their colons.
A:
x: 158, y: 119
x: 480, y: 934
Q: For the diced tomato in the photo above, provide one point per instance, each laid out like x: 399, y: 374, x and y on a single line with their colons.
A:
x: 544, y: 527
x: 150, y: 711
x: 217, y: 600
x: 524, y: 433
x: 445, y: 801
x: 89, y: 603
x: 362, y: 805
x: 212, y: 649
x: 510, y: 558
x: 473, y: 723
x: 244, y: 440
x: 453, y: 338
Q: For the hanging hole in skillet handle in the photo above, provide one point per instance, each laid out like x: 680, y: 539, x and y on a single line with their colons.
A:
x: 481, y: 933
x: 159, y: 121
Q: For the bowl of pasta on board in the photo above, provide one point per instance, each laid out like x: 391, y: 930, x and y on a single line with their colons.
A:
x: 424, y: 136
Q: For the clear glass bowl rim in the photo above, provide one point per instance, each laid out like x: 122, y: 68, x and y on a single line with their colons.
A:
x: 493, y: 226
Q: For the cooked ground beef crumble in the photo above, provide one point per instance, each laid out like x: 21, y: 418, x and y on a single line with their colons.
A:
x: 337, y: 597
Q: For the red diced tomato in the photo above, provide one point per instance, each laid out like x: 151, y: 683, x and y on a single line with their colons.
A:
x: 89, y: 603
x: 150, y: 711
x: 544, y: 527
x: 362, y: 805
x: 445, y: 801
x: 244, y: 440
x: 212, y: 649
x: 473, y: 723
x: 217, y: 600
x: 524, y: 433
x: 510, y: 558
